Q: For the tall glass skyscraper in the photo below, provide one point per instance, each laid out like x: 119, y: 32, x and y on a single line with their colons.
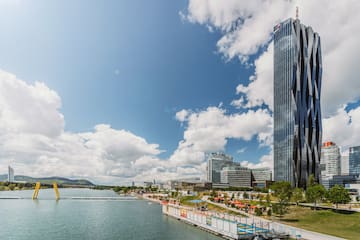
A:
x: 297, y: 113
x: 354, y: 160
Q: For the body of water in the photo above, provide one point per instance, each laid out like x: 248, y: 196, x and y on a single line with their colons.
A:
x: 46, y: 218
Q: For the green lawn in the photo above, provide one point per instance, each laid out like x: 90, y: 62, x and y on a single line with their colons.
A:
x: 346, y: 225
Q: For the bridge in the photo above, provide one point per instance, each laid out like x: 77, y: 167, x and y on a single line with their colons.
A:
x: 57, y: 196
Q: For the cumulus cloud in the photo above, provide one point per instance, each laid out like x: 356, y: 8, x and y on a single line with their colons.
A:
x: 29, y: 108
x: 259, y: 90
x: 182, y: 115
x: 343, y: 128
x: 209, y: 130
x: 32, y: 138
x: 247, y: 25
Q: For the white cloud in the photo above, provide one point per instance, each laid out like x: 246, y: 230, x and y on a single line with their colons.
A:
x: 29, y: 108
x: 33, y: 139
x: 34, y: 142
x: 247, y: 25
x: 209, y: 130
x: 260, y: 89
x: 182, y: 115
x: 343, y: 128
x: 241, y: 150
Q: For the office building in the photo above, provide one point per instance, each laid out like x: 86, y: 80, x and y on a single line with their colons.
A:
x: 330, y: 162
x: 261, y: 177
x: 354, y: 160
x: 345, y: 165
x: 236, y: 176
x: 297, y: 112
x: 342, y: 180
x: 216, y: 162
x: 261, y: 174
x: 11, y: 177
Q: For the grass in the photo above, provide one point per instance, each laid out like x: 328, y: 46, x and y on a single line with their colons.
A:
x: 186, y: 200
x: 345, y: 225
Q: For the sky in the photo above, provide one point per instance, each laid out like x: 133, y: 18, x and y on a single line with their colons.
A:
x: 123, y: 91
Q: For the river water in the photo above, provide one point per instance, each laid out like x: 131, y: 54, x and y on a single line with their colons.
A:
x: 46, y: 218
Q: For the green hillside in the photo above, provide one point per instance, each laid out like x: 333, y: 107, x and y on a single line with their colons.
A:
x: 50, y: 180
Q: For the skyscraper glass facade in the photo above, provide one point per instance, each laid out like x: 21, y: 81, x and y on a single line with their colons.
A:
x: 354, y: 160
x: 297, y: 113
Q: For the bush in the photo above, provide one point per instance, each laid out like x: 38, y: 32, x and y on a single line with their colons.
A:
x: 269, y: 212
x: 258, y: 211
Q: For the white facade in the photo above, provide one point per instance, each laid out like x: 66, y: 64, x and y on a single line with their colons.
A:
x: 236, y: 176
x: 330, y: 160
x: 261, y: 174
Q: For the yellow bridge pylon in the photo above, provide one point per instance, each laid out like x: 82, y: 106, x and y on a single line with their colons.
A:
x: 57, y: 194
x: 36, y: 191
x: 37, y: 188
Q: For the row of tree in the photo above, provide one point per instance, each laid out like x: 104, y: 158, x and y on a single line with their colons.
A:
x: 313, y: 194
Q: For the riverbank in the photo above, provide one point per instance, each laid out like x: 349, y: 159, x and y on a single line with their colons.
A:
x: 295, y: 230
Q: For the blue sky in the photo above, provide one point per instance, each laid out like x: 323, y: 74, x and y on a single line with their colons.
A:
x: 130, y: 64
x: 171, y: 78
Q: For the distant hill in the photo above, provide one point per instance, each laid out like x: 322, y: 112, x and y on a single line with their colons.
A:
x: 50, y: 180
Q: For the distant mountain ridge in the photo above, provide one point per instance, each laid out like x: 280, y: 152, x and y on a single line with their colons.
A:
x: 49, y: 180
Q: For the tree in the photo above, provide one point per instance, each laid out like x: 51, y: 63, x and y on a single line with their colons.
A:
x: 282, y: 190
x: 269, y: 212
x: 315, y: 193
x: 297, y: 195
x: 245, y: 195
x: 311, y: 181
x: 213, y: 193
x: 268, y: 199
x: 258, y: 211
x: 338, y: 194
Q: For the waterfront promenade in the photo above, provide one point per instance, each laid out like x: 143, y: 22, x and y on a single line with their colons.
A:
x: 294, y: 232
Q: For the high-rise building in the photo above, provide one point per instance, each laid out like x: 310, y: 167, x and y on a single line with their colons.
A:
x: 261, y: 174
x: 236, y: 176
x: 261, y: 177
x: 354, y: 160
x: 216, y: 162
x: 11, y: 174
x: 297, y: 113
x: 344, y: 165
x: 330, y: 160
